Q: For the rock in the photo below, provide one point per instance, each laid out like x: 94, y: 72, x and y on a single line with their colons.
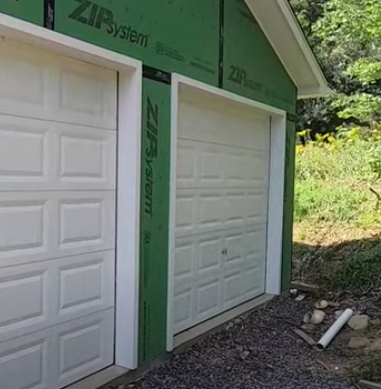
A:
x: 316, y: 317
x: 359, y: 322
x: 300, y: 297
x: 229, y: 326
x: 376, y: 345
x: 308, y: 327
x: 322, y: 304
x: 361, y: 342
x: 294, y: 292
x: 339, y: 313
x: 245, y: 354
x: 375, y: 322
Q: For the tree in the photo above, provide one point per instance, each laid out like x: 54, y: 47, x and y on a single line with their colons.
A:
x: 345, y: 36
x: 350, y: 31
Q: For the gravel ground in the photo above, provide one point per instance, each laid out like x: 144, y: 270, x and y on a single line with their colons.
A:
x: 258, y: 351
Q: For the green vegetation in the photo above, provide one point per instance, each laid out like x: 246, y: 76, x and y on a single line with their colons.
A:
x: 338, y: 171
x: 338, y: 211
x: 345, y: 35
x: 368, y: 369
x: 337, y: 232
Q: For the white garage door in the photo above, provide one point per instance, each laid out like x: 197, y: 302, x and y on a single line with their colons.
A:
x: 221, y: 208
x: 57, y: 218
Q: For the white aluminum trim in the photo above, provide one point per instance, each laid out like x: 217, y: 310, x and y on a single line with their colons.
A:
x: 53, y: 41
x: 276, y: 205
x: 129, y: 139
x: 311, y: 93
x: 276, y: 189
x: 302, y: 41
x: 128, y: 219
x: 179, y: 79
x: 172, y: 208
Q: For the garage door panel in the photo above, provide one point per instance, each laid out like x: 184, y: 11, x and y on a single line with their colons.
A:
x: 219, y: 126
x: 205, y: 165
x: 229, y: 262
x: 232, y: 287
x: 84, y: 346
x: 182, y: 305
x: 253, y: 239
x: 58, y: 356
x: 76, y: 297
x: 207, y: 298
x: 244, y: 207
x: 23, y: 225
x: 24, y: 149
x: 210, y: 215
x: 48, y: 293
x: 199, y: 211
x: 23, y: 303
x: 36, y: 226
x: 37, y: 85
x: 221, y: 207
x: 29, y: 149
x: 58, y: 141
x: 87, y: 94
x: 86, y: 220
x: 87, y: 158
x: 22, y: 82
x: 209, y: 256
x: 29, y: 356
x: 185, y: 252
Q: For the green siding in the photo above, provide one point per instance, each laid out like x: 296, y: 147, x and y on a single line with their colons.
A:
x: 288, y: 205
x: 174, y: 35
x: 214, y: 41
x: 29, y: 10
x: 156, y: 127
x: 251, y: 67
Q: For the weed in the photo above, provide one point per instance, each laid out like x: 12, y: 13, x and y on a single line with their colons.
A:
x: 337, y: 211
x: 368, y: 369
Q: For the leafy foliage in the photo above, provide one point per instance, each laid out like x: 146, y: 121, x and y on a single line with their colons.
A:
x: 345, y: 35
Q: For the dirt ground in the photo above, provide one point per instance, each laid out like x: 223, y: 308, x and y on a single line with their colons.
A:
x: 258, y: 351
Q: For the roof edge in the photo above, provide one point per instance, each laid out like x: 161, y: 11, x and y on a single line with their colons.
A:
x: 313, y: 93
x: 279, y: 13
x: 301, y: 38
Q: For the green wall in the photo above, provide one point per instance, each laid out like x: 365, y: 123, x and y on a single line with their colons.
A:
x: 174, y: 35
x: 29, y: 10
x: 251, y: 67
x: 214, y: 41
x: 154, y: 218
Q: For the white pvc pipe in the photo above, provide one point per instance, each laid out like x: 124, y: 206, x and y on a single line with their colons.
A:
x: 335, y: 328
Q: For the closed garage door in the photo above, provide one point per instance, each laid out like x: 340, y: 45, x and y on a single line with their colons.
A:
x: 221, y: 207
x: 57, y: 218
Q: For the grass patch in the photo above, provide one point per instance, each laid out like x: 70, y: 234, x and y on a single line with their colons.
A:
x: 337, y: 234
x: 368, y: 369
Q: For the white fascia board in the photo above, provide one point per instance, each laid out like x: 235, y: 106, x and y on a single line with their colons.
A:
x: 279, y: 24
x: 312, y: 93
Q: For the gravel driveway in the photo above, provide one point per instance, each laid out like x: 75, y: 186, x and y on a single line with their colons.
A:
x: 258, y: 351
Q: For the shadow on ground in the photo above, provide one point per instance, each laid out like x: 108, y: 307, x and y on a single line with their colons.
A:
x: 348, y: 267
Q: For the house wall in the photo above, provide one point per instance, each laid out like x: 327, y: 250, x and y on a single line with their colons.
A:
x: 214, y: 41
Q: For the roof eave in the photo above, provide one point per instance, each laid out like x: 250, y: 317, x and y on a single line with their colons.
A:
x: 278, y: 22
x: 313, y: 93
